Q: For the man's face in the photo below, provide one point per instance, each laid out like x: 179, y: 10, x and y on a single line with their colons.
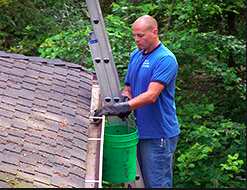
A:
x: 144, y: 37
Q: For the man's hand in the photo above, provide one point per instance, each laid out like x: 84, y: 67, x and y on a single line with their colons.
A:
x: 121, y: 110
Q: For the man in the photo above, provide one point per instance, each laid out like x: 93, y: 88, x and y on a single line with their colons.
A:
x: 150, y: 86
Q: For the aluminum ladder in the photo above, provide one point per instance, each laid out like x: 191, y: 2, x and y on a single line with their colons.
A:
x: 106, y: 71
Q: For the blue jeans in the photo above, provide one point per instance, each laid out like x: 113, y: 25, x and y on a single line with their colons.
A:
x: 155, y: 158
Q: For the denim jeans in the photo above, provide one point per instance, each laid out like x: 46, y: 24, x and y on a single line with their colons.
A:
x: 155, y: 158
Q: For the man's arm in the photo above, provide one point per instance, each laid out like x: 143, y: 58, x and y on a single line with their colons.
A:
x: 123, y: 109
x: 148, y: 97
x: 127, y: 91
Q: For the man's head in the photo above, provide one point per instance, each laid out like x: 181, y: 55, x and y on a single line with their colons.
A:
x: 145, y: 30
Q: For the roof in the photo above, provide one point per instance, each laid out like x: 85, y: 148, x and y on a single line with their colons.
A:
x: 44, y: 119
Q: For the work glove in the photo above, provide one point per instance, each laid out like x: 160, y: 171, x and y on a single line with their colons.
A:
x: 125, y: 98
x: 122, y: 110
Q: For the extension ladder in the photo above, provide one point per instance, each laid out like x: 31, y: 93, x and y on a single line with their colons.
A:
x: 106, y: 71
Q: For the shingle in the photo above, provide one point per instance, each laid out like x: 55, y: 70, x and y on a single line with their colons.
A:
x: 53, y: 117
x: 32, y: 140
x: 21, y: 64
x: 44, y: 114
x: 49, y: 141
x: 78, y: 153
x: 27, y: 177
x: 46, y: 70
x: 53, y: 61
x: 47, y: 170
x: 29, y: 86
x: 61, y: 71
x: 68, y: 102
x: 57, y: 96
x: 6, y: 113
x: 21, y: 115
x: 78, y: 181
x: 52, y: 126
x: 58, y: 87
x: 10, y: 158
x: 54, y: 103
x: 38, y: 108
x: 37, y: 116
x: 9, y: 61
x: 34, y: 67
x: 64, y: 142
x: 47, y: 149
x: 42, y: 95
x: 26, y: 168
x: 39, y: 102
x: 7, y: 167
x: 14, y: 85
x: 66, y: 135
x: 32, y: 73
x: 7, y: 107
x: 29, y: 156
x: 43, y: 179
x: 4, y: 77
x: 46, y: 76
x: 12, y: 93
x: 18, y: 56
x: 68, y: 110
x: 36, y: 59
x: 74, y: 76
x: 58, y: 76
x: 26, y: 94
x: 19, y: 123
x: 24, y: 102
x: 35, y: 132
x: 14, y: 139
x: 54, y: 110
x: 62, y: 152
x: 61, y: 169
x: 16, y: 133
x: 5, y: 122
x: 30, y: 80
x: 13, y: 147
x: 43, y: 87
x: 17, y: 71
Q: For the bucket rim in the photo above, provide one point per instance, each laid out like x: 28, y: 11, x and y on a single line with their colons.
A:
x: 110, y: 135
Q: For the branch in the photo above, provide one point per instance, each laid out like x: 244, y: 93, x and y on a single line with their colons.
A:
x: 169, y: 21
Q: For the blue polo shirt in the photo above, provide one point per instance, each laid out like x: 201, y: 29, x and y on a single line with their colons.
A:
x: 156, y: 120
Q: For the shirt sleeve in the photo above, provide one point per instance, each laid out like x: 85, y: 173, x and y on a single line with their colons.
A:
x: 165, y: 70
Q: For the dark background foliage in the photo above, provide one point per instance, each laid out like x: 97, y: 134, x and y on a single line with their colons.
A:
x: 207, y: 36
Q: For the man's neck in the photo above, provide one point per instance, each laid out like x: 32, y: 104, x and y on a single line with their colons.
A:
x: 152, y: 48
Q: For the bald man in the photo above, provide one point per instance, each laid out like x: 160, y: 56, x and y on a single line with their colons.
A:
x: 150, y: 87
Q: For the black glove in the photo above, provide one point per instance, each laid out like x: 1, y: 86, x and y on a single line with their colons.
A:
x: 121, y: 110
x: 125, y: 98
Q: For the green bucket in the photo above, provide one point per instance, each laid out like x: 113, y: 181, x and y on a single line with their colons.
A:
x: 119, y: 155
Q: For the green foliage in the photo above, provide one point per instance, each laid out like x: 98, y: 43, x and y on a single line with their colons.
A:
x: 208, y: 141
x: 70, y: 45
x: 209, y: 40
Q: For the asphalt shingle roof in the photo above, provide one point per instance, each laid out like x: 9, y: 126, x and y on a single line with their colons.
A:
x: 44, y: 119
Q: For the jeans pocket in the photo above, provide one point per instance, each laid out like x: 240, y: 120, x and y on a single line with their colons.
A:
x: 173, y: 143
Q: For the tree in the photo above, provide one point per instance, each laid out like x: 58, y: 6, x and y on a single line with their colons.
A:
x: 209, y: 40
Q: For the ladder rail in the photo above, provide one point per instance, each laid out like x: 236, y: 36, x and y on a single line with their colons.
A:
x: 106, y: 71
x: 105, y: 58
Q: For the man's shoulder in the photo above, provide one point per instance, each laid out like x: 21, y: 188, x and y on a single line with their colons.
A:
x: 135, y: 53
x: 164, y: 53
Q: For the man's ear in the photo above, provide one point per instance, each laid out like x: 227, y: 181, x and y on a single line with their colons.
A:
x: 155, y: 32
